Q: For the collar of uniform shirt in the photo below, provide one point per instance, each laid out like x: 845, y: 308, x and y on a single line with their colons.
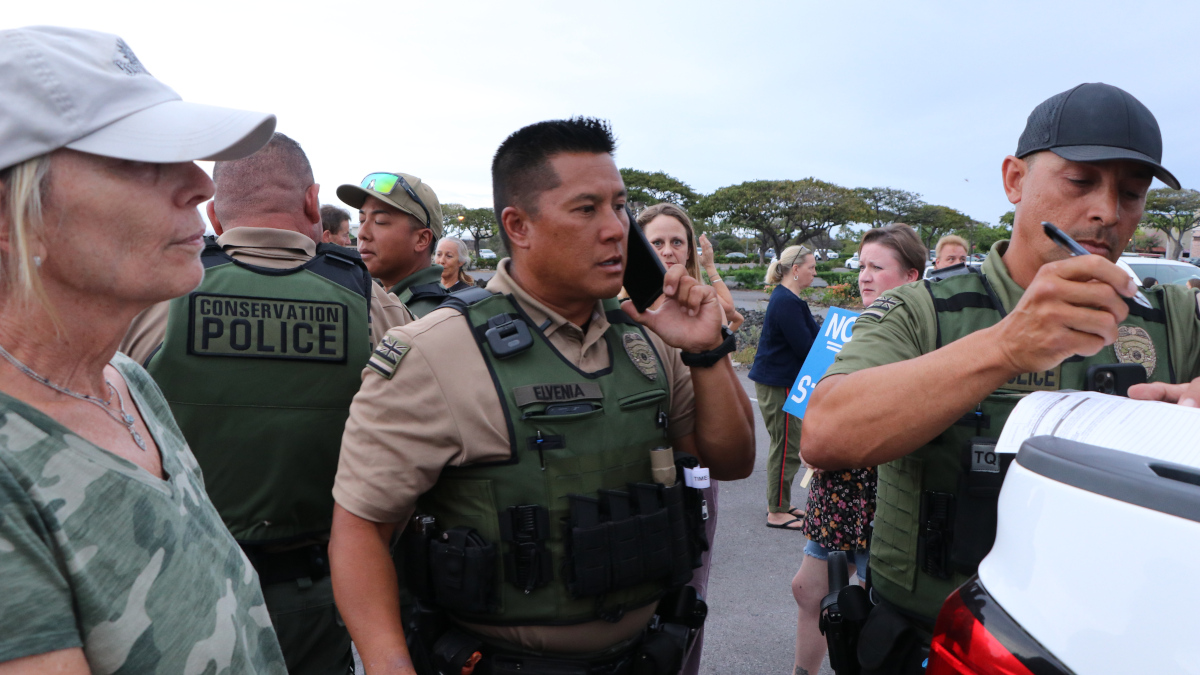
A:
x: 268, y: 238
x: 504, y: 283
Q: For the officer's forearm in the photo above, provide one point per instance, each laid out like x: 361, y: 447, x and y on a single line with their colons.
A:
x: 879, y: 414
x: 367, y: 593
x: 724, y: 422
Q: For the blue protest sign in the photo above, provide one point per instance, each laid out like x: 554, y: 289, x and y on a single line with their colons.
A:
x: 835, y: 333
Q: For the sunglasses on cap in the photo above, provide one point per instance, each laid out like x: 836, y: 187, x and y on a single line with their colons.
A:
x: 385, y: 183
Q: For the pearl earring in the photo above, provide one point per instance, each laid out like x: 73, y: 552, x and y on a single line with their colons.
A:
x: 37, y: 261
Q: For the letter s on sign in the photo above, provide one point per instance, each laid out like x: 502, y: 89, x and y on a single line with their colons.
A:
x: 802, y: 388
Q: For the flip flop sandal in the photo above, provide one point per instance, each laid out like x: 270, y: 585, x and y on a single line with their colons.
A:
x: 787, y: 525
x: 799, y: 513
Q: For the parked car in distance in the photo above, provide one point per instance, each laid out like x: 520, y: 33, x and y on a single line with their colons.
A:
x: 738, y: 255
x: 1115, y: 611
x: 853, y: 262
x: 487, y: 254
x: 1162, y: 270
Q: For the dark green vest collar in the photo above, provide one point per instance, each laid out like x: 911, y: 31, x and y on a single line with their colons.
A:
x: 429, y: 275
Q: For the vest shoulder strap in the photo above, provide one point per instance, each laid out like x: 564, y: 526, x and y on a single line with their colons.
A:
x: 213, y: 254
x: 459, y: 301
x: 615, y: 315
x: 424, y: 292
x: 343, y: 267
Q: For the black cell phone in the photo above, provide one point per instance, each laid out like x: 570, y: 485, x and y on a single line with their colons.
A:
x: 1115, y: 379
x: 644, y: 271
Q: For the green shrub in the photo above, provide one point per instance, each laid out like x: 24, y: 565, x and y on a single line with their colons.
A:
x: 824, y: 267
x: 747, y: 344
x: 836, y: 278
x: 750, y: 277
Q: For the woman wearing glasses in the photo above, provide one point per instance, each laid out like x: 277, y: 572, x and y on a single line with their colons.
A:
x: 452, y: 254
x: 841, y: 504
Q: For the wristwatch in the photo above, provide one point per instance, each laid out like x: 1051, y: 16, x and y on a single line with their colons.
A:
x: 709, y: 358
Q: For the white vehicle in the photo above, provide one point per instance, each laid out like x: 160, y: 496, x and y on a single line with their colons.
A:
x: 1161, y: 270
x: 853, y: 263
x: 1073, y: 583
x: 487, y: 254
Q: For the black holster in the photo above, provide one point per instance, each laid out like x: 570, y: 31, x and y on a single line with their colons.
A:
x: 843, y: 612
x: 891, y: 644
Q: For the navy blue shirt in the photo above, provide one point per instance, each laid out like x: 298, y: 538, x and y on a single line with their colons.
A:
x: 787, y: 334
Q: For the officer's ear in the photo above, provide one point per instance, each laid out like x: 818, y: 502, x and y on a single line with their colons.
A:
x: 515, y: 222
x: 312, y: 203
x: 211, y: 209
x: 1013, y: 172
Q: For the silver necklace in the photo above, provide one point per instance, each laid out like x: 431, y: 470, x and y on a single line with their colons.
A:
x: 125, y: 419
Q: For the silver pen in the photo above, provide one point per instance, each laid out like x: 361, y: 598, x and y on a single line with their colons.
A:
x: 1064, y: 240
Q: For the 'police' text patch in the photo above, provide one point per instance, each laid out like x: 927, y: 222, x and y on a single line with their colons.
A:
x: 266, y: 328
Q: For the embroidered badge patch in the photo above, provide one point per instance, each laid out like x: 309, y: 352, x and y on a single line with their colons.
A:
x: 386, y: 356
x: 1134, y: 345
x: 641, y: 354
x: 882, y: 305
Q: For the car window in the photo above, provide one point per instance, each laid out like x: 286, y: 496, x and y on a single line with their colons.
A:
x: 1176, y: 274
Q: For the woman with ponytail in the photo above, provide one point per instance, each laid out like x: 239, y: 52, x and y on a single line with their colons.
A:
x: 788, y: 332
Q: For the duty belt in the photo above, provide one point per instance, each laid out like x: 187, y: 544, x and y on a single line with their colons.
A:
x: 310, y: 562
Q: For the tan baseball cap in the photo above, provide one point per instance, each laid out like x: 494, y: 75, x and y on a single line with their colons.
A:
x: 86, y: 90
x: 401, y: 190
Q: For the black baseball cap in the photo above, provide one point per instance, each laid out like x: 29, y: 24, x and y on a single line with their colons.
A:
x: 1095, y: 122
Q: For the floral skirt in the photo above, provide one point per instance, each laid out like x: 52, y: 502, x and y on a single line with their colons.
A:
x: 841, y: 506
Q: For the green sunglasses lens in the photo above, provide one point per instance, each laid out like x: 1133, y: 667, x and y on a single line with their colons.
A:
x: 383, y: 183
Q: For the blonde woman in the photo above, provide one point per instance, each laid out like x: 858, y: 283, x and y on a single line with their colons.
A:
x: 452, y: 254
x: 671, y: 233
x: 788, y: 332
x: 113, y: 556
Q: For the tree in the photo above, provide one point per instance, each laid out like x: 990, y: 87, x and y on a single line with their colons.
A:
x: 1174, y: 213
x: 458, y: 220
x: 754, y: 205
x: 889, y: 205
x: 783, y: 212
x: 932, y: 221
x: 653, y: 187
x: 1008, y: 219
x: 819, y: 206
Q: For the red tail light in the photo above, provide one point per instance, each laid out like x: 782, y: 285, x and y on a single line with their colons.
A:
x: 963, y: 646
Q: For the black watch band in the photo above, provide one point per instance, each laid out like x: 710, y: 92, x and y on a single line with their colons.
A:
x: 711, y: 357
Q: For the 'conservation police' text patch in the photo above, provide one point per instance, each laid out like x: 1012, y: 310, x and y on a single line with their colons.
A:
x: 266, y: 328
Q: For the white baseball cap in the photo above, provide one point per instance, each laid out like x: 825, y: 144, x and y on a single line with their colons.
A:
x: 85, y: 90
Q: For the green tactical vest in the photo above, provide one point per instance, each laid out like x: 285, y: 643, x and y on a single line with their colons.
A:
x: 423, y: 292
x: 936, y: 508
x: 571, y: 527
x: 259, y: 366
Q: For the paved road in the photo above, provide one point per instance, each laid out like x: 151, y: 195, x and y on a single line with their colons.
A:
x: 751, y: 626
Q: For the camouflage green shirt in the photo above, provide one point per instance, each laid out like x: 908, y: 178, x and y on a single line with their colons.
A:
x: 97, y: 553
x: 902, y: 323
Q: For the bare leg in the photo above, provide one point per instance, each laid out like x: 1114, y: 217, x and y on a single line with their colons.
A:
x: 809, y: 587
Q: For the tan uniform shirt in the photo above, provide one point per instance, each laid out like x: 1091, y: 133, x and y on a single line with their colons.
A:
x: 441, y: 408
x: 264, y: 247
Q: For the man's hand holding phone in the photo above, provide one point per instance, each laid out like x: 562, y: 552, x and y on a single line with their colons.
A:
x: 690, y: 316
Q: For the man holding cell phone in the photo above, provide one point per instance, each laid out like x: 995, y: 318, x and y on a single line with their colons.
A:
x: 1035, y: 317
x: 522, y: 421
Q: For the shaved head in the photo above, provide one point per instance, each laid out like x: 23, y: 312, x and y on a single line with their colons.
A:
x: 272, y: 181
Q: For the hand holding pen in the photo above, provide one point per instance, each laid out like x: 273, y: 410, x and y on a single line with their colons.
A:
x: 1065, y: 241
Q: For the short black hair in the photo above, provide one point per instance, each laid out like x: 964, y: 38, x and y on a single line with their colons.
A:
x: 332, y: 218
x: 521, y: 168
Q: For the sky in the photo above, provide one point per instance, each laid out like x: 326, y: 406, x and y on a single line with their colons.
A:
x: 922, y: 96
